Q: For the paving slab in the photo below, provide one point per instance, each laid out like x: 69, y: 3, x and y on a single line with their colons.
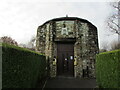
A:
x: 70, y: 82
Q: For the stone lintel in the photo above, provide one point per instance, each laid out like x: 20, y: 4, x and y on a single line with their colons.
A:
x: 65, y: 40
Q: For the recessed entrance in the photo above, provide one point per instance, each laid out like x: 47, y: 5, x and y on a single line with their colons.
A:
x: 65, y: 59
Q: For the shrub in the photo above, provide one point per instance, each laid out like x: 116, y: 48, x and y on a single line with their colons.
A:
x: 108, y: 69
x: 8, y: 40
x: 21, y: 68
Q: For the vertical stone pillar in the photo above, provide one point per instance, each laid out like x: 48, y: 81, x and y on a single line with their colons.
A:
x: 93, y: 49
x: 77, y: 50
x: 51, y: 50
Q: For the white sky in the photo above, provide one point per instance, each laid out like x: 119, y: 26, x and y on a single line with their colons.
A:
x: 20, y: 19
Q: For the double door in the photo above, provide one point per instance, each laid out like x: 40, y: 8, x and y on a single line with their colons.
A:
x: 65, y: 59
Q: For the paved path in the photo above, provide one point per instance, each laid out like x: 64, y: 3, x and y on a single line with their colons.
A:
x: 70, y: 82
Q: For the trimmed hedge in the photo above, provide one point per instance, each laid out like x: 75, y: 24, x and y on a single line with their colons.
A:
x: 108, y: 69
x: 21, y: 68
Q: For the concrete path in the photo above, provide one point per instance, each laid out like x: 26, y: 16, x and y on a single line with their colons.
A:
x: 70, y: 82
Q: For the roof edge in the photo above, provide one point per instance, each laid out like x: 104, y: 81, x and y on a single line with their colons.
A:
x: 67, y: 18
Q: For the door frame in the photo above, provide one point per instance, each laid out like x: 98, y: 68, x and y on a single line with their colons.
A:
x: 63, y: 42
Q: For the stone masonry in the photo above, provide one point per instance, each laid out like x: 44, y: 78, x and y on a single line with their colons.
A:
x: 81, y: 31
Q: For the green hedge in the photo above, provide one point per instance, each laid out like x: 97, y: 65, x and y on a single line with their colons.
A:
x: 108, y: 69
x: 21, y: 68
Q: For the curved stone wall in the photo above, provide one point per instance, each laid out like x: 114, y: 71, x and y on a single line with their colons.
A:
x: 81, y: 32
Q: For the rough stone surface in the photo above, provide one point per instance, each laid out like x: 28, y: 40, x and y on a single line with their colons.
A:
x: 85, y: 47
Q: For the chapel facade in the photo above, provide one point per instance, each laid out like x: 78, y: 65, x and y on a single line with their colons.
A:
x: 70, y: 45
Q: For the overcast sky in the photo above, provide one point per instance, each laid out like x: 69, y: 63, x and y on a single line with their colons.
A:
x: 20, y: 19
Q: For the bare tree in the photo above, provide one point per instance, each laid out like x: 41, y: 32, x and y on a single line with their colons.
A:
x: 31, y: 43
x: 8, y: 40
x: 113, y: 20
x: 115, y: 45
x: 22, y: 45
x: 104, y: 47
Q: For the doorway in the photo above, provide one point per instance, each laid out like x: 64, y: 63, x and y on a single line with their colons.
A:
x: 65, y: 59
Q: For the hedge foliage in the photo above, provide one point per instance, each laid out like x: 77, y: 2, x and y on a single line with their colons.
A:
x: 108, y: 69
x: 21, y: 68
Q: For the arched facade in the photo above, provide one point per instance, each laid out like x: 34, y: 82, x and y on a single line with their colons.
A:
x: 70, y: 44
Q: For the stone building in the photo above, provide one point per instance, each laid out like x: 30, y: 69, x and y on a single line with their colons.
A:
x: 70, y: 45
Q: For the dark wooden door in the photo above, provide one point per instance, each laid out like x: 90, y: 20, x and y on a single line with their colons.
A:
x: 65, y: 59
